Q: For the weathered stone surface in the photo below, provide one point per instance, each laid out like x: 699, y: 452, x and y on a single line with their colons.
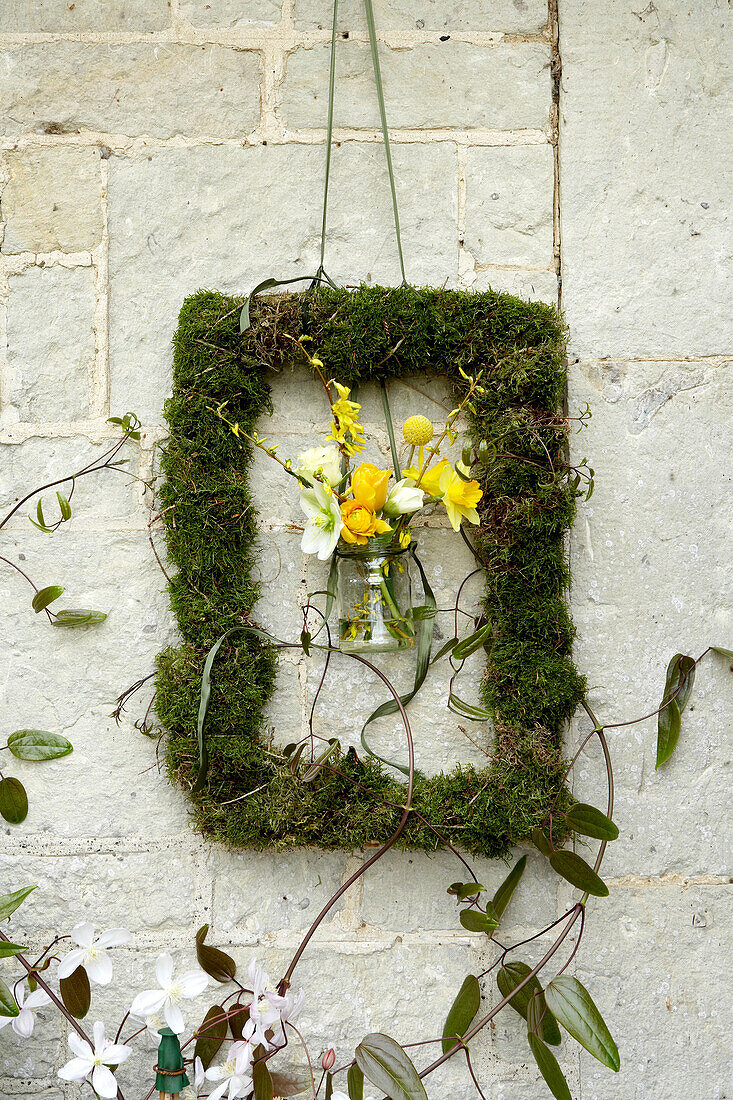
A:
x: 52, y: 200
x: 407, y: 17
x: 533, y: 286
x: 131, y: 89
x: 52, y: 16
x: 646, y: 236
x: 654, y: 528
x: 51, y: 343
x: 509, y: 196
x: 174, y: 231
x: 231, y: 13
x: 428, y: 86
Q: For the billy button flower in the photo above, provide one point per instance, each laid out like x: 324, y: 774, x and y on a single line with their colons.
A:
x: 360, y: 523
x: 369, y: 485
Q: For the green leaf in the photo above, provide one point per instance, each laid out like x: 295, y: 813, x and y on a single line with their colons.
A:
x: 220, y: 966
x: 680, y: 671
x: 548, y: 1067
x: 78, y: 617
x: 723, y: 652
x: 305, y: 641
x: 45, y: 596
x: 508, y: 886
x: 467, y: 710
x: 355, y: 1083
x: 541, y: 842
x: 462, y: 1013
x: 588, y: 821
x: 469, y: 645
x: 76, y: 993
x: 310, y: 773
x: 64, y: 505
x: 463, y: 890
x: 669, y: 724
x: 8, y: 1006
x: 476, y: 921
x: 10, y: 902
x: 508, y: 978
x: 38, y: 745
x: 262, y: 1081
x: 573, y: 1006
x: 238, y: 1016
x: 210, y: 1036
x: 578, y: 872
x: 386, y: 1065
x: 13, y: 800
x: 8, y: 949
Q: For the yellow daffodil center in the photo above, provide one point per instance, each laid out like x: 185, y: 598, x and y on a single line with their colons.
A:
x: 417, y: 431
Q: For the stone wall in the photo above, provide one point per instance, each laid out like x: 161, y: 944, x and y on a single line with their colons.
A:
x: 149, y: 149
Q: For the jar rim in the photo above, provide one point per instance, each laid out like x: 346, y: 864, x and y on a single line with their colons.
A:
x: 371, y: 552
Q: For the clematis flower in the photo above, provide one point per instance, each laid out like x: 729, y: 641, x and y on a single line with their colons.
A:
x: 325, y: 459
x: 191, y: 1092
x: 345, y: 427
x: 267, y: 1005
x: 91, y: 953
x: 234, y: 1076
x: 369, y: 485
x: 403, y: 499
x: 94, y: 1063
x: 360, y: 523
x: 171, y: 993
x: 324, y: 523
x: 23, y: 1023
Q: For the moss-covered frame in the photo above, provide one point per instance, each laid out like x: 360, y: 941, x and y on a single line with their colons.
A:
x: 531, y: 686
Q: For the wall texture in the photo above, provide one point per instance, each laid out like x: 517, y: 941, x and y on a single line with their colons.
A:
x: 148, y: 149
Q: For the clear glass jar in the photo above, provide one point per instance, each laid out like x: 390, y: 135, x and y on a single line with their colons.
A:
x: 374, y: 600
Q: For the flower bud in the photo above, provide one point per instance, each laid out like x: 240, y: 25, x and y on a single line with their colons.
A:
x: 467, y: 454
x: 328, y: 1060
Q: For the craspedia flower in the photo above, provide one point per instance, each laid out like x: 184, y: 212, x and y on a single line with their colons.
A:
x: 417, y: 431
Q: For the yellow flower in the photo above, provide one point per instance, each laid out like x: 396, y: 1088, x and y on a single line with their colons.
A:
x: 417, y: 431
x: 369, y: 485
x: 460, y: 497
x: 345, y: 422
x: 430, y: 481
x: 360, y: 523
x: 405, y: 539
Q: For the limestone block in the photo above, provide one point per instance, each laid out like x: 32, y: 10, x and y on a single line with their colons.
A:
x: 644, y: 164
x: 408, y: 17
x: 52, y: 17
x: 10, y: 1090
x: 175, y: 230
x: 442, y: 85
x: 51, y: 342
x: 132, y: 89
x: 650, y: 562
x: 52, y: 200
x: 509, y: 196
x: 230, y: 13
x: 21, y: 1059
x: 532, y: 286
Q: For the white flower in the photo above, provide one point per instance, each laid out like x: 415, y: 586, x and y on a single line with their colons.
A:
x: 325, y: 459
x: 267, y: 1005
x: 172, y: 991
x: 233, y: 1074
x: 191, y: 1092
x: 23, y: 1023
x: 95, y: 1062
x: 324, y: 524
x: 91, y: 953
x: 403, y: 499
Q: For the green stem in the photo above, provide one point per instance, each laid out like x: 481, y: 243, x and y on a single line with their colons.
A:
x: 390, y: 430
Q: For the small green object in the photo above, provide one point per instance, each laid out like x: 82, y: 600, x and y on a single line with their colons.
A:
x: 171, y: 1076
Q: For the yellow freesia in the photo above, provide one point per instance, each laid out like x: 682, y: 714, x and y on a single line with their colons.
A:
x: 345, y: 427
x: 369, y: 485
x: 360, y: 523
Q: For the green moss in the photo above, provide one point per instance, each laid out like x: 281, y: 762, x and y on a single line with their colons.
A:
x: 530, y: 685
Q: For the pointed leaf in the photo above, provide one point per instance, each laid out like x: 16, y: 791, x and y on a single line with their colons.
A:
x: 8, y: 1007
x: 8, y: 949
x: 548, y: 1067
x: 588, y: 821
x: 462, y: 1013
x: 10, y: 902
x: 238, y: 1016
x: 541, y: 842
x: 310, y: 773
x: 476, y: 921
x: 13, y: 800
x: 355, y: 1083
x: 463, y: 890
x: 262, y: 1081
x: 220, y: 966
x: 508, y: 886
x: 723, y: 652
x: 680, y: 671
x: 45, y: 596
x: 292, y: 1082
x: 508, y: 978
x: 64, y: 505
x: 210, y: 1036
x: 78, y: 617
x: 573, y: 1006
x: 579, y: 873
x: 386, y: 1065
x: 38, y: 745
x: 76, y: 992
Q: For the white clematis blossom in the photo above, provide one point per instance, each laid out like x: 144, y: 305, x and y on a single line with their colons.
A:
x: 167, y: 999
x: 403, y: 499
x: 91, y: 953
x: 269, y: 1010
x: 233, y: 1075
x: 94, y: 1063
x: 23, y: 1023
x: 191, y: 1092
x: 324, y: 523
x: 327, y: 460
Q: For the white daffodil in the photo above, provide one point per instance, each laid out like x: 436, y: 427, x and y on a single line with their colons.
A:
x: 22, y: 1024
x: 167, y: 999
x: 325, y: 460
x: 403, y: 499
x: 233, y: 1075
x: 94, y: 1063
x: 91, y: 953
x: 324, y: 523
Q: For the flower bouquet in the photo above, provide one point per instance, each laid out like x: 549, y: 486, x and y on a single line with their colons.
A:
x: 359, y: 516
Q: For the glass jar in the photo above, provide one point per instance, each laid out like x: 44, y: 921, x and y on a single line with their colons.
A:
x: 374, y: 600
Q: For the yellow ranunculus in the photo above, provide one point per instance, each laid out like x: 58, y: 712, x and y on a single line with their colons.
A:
x: 360, y: 523
x: 369, y: 485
